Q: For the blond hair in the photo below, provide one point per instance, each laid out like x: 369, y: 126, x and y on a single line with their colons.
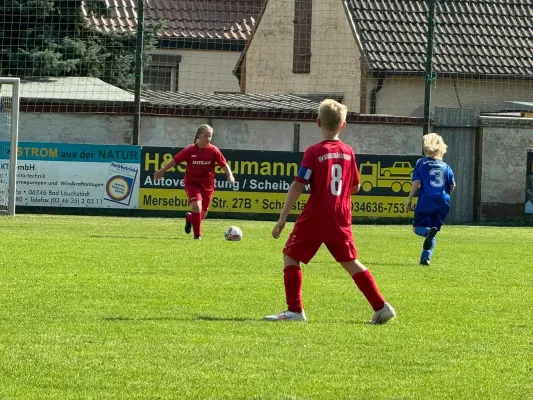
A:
x: 204, y: 128
x: 331, y: 114
x: 434, y: 146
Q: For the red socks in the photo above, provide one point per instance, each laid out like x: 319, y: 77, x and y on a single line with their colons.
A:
x: 365, y: 282
x: 292, y: 277
x: 196, y: 221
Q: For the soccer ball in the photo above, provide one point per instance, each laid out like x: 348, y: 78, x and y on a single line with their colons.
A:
x: 233, y: 234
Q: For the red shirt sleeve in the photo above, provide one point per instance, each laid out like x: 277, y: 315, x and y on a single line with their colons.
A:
x: 356, y: 178
x: 306, y: 168
x: 219, y: 158
x: 183, y: 155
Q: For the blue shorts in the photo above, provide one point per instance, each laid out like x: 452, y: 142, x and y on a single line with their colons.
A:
x: 429, y: 219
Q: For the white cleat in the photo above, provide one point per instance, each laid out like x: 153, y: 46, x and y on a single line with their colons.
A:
x: 384, y: 315
x: 287, y: 316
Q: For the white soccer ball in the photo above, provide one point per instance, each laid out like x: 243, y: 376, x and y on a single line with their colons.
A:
x: 233, y: 234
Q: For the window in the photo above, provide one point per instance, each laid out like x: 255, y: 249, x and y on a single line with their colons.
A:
x: 301, y: 56
x: 163, y: 73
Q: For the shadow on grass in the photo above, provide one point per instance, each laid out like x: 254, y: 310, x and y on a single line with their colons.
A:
x: 138, y: 237
x: 119, y: 318
x: 122, y: 318
x: 222, y: 319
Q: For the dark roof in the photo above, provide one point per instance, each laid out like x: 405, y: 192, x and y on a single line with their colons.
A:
x: 279, y: 107
x: 189, y: 19
x: 230, y: 101
x: 475, y: 38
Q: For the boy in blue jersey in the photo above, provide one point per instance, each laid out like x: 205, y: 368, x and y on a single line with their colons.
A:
x: 436, y: 182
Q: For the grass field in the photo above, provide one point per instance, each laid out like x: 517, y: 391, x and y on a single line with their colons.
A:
x: 124, y: 308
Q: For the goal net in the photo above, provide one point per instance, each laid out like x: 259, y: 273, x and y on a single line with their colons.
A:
x: 9, y: 117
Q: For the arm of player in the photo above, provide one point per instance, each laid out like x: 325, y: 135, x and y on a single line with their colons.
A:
x: 159, y: 173
x: 293, y: 194
x: 414, y: 187
x: 452, y: 188
x: 355, y: 189
x: 229, y: 174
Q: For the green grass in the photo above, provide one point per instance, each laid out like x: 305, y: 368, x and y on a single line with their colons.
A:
x: 123, y: 308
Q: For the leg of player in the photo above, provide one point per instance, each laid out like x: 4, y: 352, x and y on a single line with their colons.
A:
x: 188, y: 223
x: 429, y: 242
x: 437, y: 219
x: 420, y: 230
x: 292, y: 279
x: 196, y: 218
x: 427, y: 252
x: 383, y: 311
x: 206, y: 201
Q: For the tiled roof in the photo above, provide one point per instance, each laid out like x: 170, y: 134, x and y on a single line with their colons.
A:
x: 230, y: 101
x: 484, y: 37
x: 197, y: 19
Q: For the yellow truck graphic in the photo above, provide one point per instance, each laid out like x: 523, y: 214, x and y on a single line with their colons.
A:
x: 397, y: 177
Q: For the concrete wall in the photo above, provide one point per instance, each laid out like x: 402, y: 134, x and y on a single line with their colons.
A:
x: 75, y: 128
x: 334, y: 60
x: 505, y: 145
x: 235, y: 134
x: 279, y: 135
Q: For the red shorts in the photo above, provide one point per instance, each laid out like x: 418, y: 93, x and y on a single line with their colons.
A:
x: 196, y: 192
x: 303, y: 249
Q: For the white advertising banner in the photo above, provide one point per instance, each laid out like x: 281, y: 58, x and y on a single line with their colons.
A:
x: 76, y: 175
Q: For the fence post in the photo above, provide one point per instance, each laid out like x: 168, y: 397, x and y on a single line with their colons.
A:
x: 138, y: 71
x: 429, y: 62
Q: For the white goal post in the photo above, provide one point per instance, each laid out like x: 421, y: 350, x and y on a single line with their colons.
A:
x: 9, y: 129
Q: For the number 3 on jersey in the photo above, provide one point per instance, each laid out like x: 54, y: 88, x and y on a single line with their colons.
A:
x: 336, y: 179
x: 438, y: 175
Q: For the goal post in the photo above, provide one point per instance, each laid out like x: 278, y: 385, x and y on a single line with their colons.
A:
x: 9, y: 128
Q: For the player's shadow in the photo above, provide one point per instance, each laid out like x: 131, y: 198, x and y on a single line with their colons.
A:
x: 222, y: 319
x: 137, y: 237
x: 120, y: 318
x: 369, y: 264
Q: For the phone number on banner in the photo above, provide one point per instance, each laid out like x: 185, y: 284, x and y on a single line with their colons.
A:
x: 267, y: 203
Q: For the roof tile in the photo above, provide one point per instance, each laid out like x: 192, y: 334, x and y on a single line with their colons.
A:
x: 481, y: 37
x: 209, y: 19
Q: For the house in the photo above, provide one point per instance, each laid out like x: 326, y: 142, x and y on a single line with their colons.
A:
x: 201, y: 42
x: 374, y: 53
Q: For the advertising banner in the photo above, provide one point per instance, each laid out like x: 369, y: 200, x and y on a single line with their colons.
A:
x: 262, y: 179
x: 75, y: 175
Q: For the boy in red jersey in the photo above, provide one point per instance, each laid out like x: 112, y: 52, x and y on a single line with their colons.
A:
x: 330, y: 168
x: 199, y: 176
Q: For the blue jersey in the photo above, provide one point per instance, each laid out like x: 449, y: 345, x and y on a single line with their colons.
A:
x: 436, y: 178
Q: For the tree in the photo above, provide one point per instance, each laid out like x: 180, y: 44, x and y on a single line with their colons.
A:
x: 42, y: 38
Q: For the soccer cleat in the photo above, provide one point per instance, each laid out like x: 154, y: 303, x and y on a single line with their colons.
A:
x: 197, y: 238
x: 424, y: 261
x: 384, y: 315
x: 429, y: 238
x: 287, y: 316
x: 188, y: 225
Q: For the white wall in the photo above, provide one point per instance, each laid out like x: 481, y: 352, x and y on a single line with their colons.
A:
x: 404, y: 96
x: 205, y: 71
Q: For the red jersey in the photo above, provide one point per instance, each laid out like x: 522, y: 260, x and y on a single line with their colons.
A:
x: 201, y: 164
x: 330, y: 168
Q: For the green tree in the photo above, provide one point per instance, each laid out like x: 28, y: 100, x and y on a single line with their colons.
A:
x: 43, y: 38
